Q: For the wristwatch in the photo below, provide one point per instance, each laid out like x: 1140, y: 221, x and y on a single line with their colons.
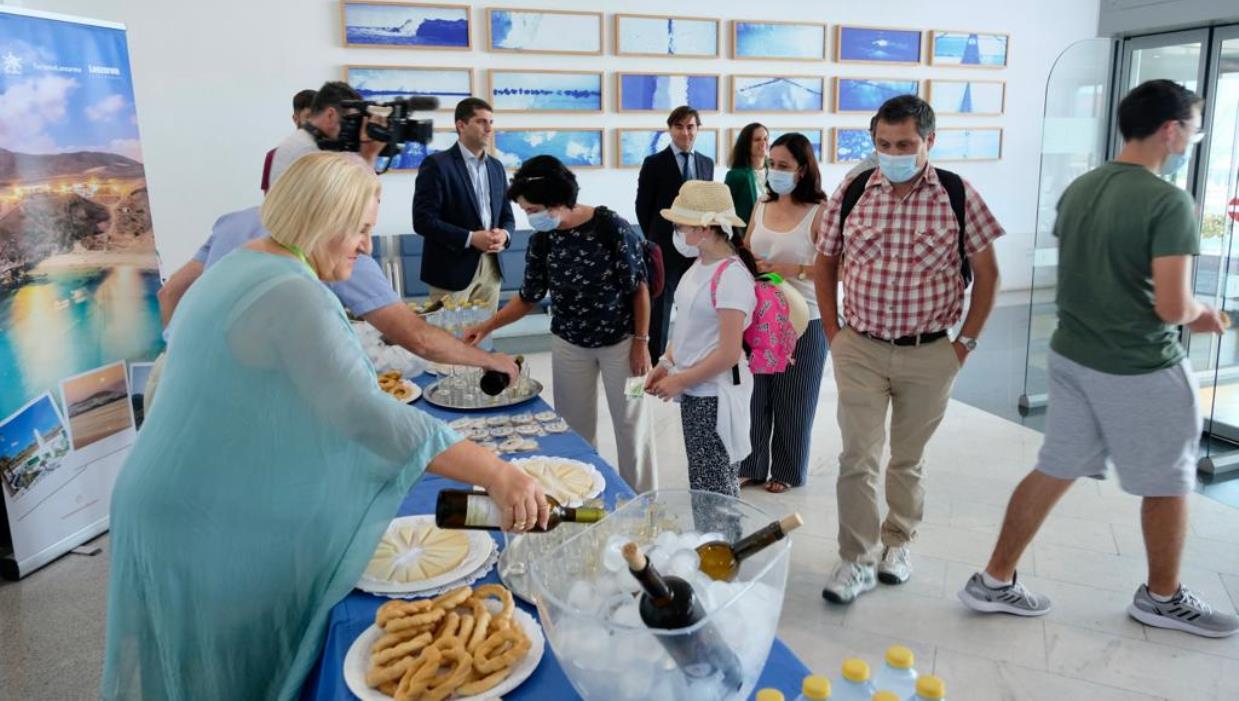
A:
x: 801, y: 274
x: 968, y: 342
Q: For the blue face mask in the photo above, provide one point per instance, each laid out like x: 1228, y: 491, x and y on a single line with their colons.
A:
x: 543, y: 221
x: 898, y: 169
x: 1174, y: 163
x: 781, y: 182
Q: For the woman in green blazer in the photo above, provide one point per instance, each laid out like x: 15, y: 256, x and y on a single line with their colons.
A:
x: 747, y: 175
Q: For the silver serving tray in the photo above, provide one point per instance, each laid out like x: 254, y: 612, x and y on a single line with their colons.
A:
x: 439, y: 397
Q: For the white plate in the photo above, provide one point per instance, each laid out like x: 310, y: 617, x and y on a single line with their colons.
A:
x: 599, y: 482
x: 417, y: 391
x: 480, y: 547
x: 358, y: 657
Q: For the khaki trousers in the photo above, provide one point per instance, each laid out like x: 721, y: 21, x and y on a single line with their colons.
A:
x: 915, y: 382
x: 484, y: 287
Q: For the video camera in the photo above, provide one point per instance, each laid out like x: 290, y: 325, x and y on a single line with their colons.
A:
x: 401, y: 127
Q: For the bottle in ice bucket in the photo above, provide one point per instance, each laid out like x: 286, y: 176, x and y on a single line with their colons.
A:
x: 855, y: 685
x: 463, y: 508
x: 929, y: 688
x: 815, y: 688
x: 493, y: 382
x: 669, y: 603
x: 768, y: 695
x: 897, y: 674
x: 721, y: 560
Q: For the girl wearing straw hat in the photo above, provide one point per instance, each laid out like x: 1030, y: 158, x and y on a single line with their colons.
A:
x: 704, y: 367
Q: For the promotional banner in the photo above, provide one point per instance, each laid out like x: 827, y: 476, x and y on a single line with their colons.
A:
x: 79, y: 320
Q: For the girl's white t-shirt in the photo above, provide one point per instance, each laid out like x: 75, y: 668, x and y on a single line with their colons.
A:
x: 696, y: 331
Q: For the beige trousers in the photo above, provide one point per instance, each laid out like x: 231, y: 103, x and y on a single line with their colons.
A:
x: 484, y: 287
x: 915, y: 382
x: 575, y: 372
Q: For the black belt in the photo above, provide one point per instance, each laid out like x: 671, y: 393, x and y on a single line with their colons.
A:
x: 914, y: 340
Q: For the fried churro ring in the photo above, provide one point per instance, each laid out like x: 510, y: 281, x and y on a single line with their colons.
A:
x: 377, y: 676
x: 389, y: 640
x: 399, y: 608
x: 443, y: 684
x: 407, y: 648
x: 479, y: 686
x: 389, y: 689
x: 418, y: 675
x: 447, y: 629
x: 467, y: 622
x: 393, y: 374
x: 496, y: 591
x: 453, y: 598
x: 480, y: 628
x: 387, y: 384
x: 402, y: 393
x: 417, y: 620
x: 500, y: 650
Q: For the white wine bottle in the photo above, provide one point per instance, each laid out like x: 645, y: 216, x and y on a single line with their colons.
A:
x: 463, y: 508
x: 721, y: 560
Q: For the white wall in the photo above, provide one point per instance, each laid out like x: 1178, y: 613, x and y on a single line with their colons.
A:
x: 1146, y: 16
x: 214, y: 81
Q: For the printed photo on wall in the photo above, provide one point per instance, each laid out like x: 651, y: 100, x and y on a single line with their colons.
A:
x: 814, y: 135
x: 138, y: 374
x: 968, y: 49
x: 405, y: 25
x: 873, y: 45
x: 646, y: 35
x: 967, y: 145
x: 663, y: 92
x: 967, y: 96
x: 576, y: 148
x: 544, y: 31
x: 33, y: 442
x: 760, y: 39
x: 545, y: 91
x: 411, y: 157
x: 851, y: 145
x: 633, y: 145
x: 767, y: 93
x: 383, y: 83
x: 867, y: 94
x: 97, y: 403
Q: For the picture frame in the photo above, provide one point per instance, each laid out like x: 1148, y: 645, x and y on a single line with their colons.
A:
x: 816, y: 136
x: 667, y: 36
x: 771, y: 40
x: 405, y: 25
x: 885, y: 45
x: 967, y: 144
x: 850, y: 144
x: 530, y: 31
x: 632, y: 146
x: 964, y: 49
x: 866, y: 95
x: 786, y: 94
x: 411, y: 156
x: 663, y: 92
x: 548, y: 91
x: 383, y: 83
x: 967, y: 97
x: 578, y: 148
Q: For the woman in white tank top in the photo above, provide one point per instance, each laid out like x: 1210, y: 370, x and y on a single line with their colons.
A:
x: 782, y: 235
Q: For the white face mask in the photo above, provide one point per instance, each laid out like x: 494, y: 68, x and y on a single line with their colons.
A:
x: 781, y: 182
x: 681, y: 244
x: 898, y: 169
x: 543, y: 221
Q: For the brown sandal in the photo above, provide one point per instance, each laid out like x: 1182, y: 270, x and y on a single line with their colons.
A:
x: 777, y: 487
x: 750, y: 482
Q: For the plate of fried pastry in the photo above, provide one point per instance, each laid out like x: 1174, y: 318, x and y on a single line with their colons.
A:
x: 469, y: 644
x: 393, y: 383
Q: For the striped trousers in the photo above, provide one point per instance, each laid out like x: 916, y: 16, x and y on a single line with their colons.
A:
x: 783, y: 408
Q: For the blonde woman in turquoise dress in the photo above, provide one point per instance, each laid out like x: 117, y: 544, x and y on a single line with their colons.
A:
x: 260, y: 485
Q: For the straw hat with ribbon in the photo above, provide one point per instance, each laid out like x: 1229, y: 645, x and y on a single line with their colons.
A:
x: 703, y: 203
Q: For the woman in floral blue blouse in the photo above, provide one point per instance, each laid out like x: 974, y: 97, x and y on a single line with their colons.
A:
x: 590, y: 261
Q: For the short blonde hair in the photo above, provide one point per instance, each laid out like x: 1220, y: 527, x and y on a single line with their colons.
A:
x: 320, y: 197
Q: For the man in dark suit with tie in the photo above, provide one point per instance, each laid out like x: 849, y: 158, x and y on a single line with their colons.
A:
x: 661, y: 177
x: 461, y: 208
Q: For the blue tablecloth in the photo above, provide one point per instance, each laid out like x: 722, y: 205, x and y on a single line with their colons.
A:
x: 355, y: 613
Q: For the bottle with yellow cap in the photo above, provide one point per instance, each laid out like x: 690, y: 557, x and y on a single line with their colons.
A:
x: 898, y: 674
x: 855, y: 685
x: 769, y: 695
x: 929, y: 688
x: 886, y: 696
x: 815, y: 688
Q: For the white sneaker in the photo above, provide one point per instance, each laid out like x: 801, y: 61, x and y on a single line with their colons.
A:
x: 896, y: 565
x: 848, y: 581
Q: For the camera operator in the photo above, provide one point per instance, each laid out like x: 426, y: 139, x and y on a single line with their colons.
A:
x: 327, y: 115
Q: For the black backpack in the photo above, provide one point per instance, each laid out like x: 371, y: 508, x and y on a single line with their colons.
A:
x: 954, y: 186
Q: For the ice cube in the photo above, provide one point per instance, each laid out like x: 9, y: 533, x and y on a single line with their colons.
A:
x: 612, y: 553
x: 710, y: 538
x: 625, y: 582
x: 584, y: 597
x: 659, y: 558
x: 667, y: 540
x: 688, y: 541
x: 684, y: 563
x: 606, y: 586
x: 628, y: 614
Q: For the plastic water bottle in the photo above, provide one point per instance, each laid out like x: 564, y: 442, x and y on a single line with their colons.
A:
x: 814, y: 688
x: 929, y: 688
x: 855, y: 685
x: 886, y: 696
x: 897, y: 674
x: 769, y: 695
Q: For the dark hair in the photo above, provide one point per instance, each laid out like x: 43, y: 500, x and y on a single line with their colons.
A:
x: 742, y: 152
x: 873, y: 124
x: 303, y: 100
x: 331, y: 95
x: 466, y: 108
x: 681, y: 113
x: 546, y: 181
x: 809, y: 188
x: 737, y: 244
x: 1153, y: 103
x: 899, y: 109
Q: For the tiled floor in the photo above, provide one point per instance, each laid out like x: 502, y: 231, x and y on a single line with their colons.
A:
x: 1088, y: 559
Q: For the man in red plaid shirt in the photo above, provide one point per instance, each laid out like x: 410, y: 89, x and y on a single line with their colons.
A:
x: 899, y: 251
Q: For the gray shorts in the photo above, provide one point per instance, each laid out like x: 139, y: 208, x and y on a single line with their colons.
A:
x: 1148, y: 426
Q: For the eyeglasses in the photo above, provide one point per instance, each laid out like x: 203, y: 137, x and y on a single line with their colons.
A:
x: 1195, y: 138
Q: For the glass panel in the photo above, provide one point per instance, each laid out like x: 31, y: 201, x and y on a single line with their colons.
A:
x: 1178, y: 62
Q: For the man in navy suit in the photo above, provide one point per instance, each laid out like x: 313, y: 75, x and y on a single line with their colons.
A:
x: 461, y: 208
x: 661, y: 177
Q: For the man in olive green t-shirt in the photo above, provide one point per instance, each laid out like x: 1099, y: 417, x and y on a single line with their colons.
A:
x: 1121, y: 388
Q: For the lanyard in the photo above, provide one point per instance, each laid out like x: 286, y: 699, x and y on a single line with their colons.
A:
x: 296, y: 251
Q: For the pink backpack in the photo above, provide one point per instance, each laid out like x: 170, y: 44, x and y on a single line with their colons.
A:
x: 770, y: 338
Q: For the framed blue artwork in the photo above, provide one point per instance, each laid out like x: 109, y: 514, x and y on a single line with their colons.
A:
x: 543, y: 31
x: 411, y: 157
x: 868, y: 94
x: 650, y: 35
x: 545, y: 91
x: 979, y: 144
x: 633, y: 145
x: 383, y: 83
x: 783, y: 41
x: 771, y: 93
x: 576, y: 148
x: 663, y: 92
x: 405, y: 25
x: 967, y: 96
x: 968, y: 49
x: 877, y: 45
x: 850, y: 145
